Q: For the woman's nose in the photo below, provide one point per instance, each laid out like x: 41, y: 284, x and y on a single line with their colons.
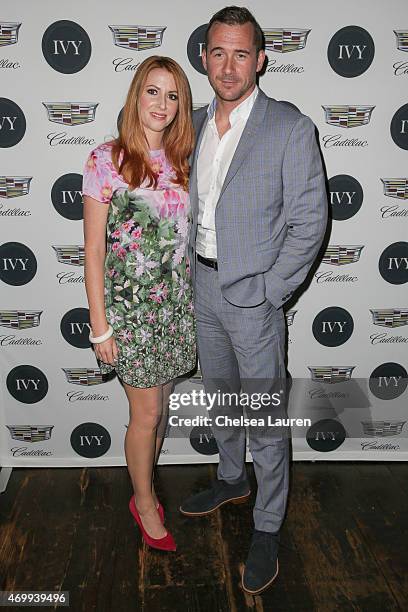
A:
x: 163, y: 102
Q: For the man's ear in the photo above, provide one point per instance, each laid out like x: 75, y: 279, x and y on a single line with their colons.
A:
x: 204, y: 58
x: 260, y: 61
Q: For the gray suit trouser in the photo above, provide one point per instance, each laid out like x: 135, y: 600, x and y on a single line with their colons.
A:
x: 243, y: 349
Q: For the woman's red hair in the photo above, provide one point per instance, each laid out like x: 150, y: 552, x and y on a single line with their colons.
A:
x: 178, y: 137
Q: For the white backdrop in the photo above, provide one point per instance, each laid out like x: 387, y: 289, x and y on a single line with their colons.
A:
x: 348, y: 363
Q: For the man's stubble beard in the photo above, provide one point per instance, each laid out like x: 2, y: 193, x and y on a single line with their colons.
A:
x: 241, y: 93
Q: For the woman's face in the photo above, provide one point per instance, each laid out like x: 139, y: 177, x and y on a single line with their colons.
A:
x: 158, y: 104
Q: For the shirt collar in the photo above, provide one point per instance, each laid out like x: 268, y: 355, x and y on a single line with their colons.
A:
x: 241, y: 111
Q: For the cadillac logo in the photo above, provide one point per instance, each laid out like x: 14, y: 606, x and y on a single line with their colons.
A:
x: 72, y: 254
x: 339, y: 255
x: 330, y: 374
x: 283, y: 41
x: 402, y: 39
x: 138, y: 38
x: 71, y: 113
x: 30, y: 433
x: 14, y: 186
x: 290, y: 315
x: 8, y: 33
x: 84, y: 376
x: 20, y: 319
x: 348, y: 116
x: 390, y: 317
x: 382, y: 429
x: 396, y: 188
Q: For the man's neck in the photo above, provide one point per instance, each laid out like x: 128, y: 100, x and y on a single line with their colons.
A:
x: 224, y: 108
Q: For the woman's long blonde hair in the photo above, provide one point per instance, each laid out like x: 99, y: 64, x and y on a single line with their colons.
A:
x: 178, y: 137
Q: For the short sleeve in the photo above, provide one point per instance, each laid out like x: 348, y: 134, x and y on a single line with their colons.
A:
x: 97, y: 175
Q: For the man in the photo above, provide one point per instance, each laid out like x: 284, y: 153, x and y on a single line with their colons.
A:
x: 259, y: 212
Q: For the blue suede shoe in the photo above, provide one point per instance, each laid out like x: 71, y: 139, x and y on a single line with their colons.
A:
x: 209, y: 500
x: 261, y: 567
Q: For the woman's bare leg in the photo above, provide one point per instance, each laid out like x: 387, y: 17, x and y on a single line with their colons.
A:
x: 145, y: 409
x: 161, y: 427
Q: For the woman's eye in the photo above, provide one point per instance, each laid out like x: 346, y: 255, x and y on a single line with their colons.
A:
x: 173, y: 97
x: 152, y: 91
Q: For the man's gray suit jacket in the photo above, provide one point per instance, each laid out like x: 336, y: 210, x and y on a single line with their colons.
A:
x: 271, y: 215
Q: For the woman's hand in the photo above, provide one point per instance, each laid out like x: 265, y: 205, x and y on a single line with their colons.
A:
x: 107, y: 351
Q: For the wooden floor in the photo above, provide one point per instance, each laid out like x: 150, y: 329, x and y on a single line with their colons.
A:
x: 344, y: 542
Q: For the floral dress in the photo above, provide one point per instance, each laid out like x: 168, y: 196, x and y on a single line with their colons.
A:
x: 148, y: 294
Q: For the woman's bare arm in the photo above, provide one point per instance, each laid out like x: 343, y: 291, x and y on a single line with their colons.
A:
x: 95, y: 219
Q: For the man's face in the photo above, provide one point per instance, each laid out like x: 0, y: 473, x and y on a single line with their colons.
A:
x: 231, y: 60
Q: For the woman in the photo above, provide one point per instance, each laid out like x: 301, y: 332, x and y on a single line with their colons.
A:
x: 137, y: 275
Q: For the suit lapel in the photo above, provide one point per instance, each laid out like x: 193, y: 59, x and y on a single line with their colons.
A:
x: 248, y: 138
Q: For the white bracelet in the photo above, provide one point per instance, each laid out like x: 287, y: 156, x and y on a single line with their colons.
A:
x: 99, y: 339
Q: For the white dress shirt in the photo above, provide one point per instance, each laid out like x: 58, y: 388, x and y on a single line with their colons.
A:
x: 214, y: 158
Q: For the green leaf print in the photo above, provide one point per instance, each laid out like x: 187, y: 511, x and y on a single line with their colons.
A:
x: 148, y: 295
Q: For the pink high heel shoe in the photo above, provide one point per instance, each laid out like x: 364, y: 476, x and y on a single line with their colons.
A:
x: 166, y: 543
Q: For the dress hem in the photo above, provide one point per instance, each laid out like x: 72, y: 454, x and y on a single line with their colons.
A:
x: 128, y: 381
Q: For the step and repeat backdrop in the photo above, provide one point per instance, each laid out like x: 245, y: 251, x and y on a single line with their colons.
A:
x: 65, y: 69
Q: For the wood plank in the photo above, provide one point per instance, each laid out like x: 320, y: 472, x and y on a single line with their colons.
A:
x: 339, y: 566
x: 399, y: 472
x: 104, y: 570
x: 38, y: 520
x: 290, y: 590
x: 343, y: 542
x: 202, y: 598
x: 381, y: 513
x: 197, y: 559
x: 64, y: 533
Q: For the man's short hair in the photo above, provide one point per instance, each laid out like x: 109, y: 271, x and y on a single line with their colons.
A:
x: 238, y: 15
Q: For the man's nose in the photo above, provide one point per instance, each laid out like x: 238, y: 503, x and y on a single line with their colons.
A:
x: 229, y: 64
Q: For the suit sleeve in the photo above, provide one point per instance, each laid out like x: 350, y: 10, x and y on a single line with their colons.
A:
x: 305, y: 208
